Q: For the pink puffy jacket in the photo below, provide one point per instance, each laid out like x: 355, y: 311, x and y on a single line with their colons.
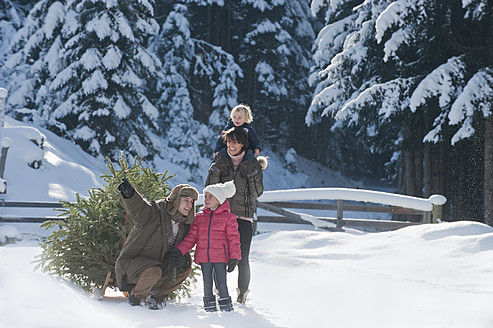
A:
x: 216, y: 236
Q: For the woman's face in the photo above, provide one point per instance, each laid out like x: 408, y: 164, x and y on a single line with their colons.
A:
x: 234, y: 147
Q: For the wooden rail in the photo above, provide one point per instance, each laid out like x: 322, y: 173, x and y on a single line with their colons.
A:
x: 354, y: 200
x: 340, y: 207
x: 17, y: 218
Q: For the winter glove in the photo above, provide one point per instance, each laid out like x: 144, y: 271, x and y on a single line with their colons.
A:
x: 126, y: 189
x: 232, y: 264
x: 176, y: 258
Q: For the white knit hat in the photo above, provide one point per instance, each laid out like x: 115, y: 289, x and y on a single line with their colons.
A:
x: 221, y: 190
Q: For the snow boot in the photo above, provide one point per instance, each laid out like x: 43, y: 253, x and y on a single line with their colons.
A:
x: 155, y: 303
x: 133, y: 300
x: 225, y: 304
x: 210, y: 304
x: 242, y: 295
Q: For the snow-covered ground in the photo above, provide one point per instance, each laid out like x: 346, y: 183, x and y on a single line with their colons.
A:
x: 423, y: 276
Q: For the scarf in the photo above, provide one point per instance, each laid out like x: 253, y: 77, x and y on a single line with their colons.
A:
x: 180, y: 219
x: 237, y: 159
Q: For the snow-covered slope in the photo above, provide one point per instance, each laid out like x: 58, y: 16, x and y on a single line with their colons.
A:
x: 44, y: 167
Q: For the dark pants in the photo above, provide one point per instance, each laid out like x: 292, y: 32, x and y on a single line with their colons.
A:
x: 245, y: 228
x: 214, y: 272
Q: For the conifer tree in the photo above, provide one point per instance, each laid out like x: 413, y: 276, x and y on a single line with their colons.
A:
x: 32, y: 60
x: 84, y: 246
x: 102, y: 102
x: 80, y: 68
x: 406, y: 70
x: 185, y: 136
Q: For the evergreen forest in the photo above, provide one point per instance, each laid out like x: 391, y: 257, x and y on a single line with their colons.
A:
x: 394, y: 92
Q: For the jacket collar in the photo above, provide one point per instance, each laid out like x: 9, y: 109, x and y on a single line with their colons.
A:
x: 249, y: 155
x: 224, y: 207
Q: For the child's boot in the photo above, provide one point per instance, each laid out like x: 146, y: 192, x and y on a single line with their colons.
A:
x: 225, y: 304
x: 242, y: 295
x: 210, y: 304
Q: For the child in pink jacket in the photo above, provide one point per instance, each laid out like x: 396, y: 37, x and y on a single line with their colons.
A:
x: 215, y: 232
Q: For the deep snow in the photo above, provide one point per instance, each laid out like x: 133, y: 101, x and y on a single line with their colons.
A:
x: 423, y: 276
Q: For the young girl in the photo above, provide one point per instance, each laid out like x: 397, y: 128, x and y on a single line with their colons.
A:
x: 215, y: 232
x: 241, y: 117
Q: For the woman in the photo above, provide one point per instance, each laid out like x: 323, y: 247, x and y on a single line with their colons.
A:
x: 237, y: 162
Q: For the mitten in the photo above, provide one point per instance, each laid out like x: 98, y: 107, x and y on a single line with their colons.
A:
x: 232, y: 263
x: 126, y: 189
x: 176, y: 258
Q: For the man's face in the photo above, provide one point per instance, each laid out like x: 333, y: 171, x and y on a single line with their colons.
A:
x: 186, y: 204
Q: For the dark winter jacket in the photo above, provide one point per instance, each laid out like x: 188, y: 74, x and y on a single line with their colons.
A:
x: 253, y: 141
x: 147, y: 242
x: 216, y: 235
x: 248, y: 180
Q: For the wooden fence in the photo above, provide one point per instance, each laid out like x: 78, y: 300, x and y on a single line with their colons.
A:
x: 426, y: 210
x: 280, y: 202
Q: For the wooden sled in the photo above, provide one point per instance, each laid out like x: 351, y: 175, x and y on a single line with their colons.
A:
x: 100, y: 293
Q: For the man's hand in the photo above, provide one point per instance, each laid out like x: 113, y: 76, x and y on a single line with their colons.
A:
x: 126, y: 189
x: 176, y: 258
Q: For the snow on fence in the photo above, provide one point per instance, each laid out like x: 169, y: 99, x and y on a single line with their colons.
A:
x: 278, y: 200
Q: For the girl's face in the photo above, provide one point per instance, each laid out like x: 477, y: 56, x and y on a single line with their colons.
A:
x: 234, y: 147
x: 238, y: 118
x: 210, y: 201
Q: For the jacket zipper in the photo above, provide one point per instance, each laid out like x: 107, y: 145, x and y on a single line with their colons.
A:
x: 209, y: 237
x: 225, y: 253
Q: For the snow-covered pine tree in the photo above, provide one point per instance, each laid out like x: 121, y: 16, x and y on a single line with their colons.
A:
x: 101, y: 89
x: 270, y: 41
x: 80, y: 68
x: 346, y: 62
x: 219, y: 72
x: 274, y: 51
x: 33, y: 60
x: 12, y: 16
x: 403, y: 64
x: 187, y: 139
x: 85, y: 245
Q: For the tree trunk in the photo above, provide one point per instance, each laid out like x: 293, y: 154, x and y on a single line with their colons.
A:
x: 410, y: 176
x: 428, y: 172
x: 443, y: 187
x: 488, y: 171
x: 418, y: 171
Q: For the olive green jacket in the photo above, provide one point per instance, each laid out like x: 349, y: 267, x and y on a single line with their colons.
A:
x: 248, y: 179
x: 147, y: 242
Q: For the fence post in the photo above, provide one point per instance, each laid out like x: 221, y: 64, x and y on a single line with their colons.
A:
x: 339, y: 214
x: 437, y: 213
x: 4, y: 142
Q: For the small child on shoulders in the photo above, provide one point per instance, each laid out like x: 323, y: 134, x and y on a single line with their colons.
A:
x: 215, y: 232
x: 241, y: 116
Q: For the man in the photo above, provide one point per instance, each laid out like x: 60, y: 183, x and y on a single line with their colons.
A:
x: 143, y: 268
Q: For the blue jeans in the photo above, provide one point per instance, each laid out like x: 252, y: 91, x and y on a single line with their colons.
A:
x: 214, y: 272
